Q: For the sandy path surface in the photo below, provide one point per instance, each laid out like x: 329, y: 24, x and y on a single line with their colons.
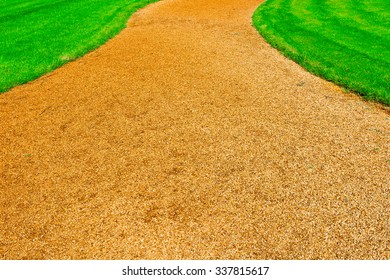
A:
x: 188, y: 137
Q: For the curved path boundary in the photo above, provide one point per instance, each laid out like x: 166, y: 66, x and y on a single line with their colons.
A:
x: 188, y: 137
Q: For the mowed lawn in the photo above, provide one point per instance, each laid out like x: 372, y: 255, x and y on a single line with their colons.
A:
x: 345, y: 41
x: 37, y: 36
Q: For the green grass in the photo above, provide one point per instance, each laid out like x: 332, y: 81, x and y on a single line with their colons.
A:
x: 344, y: 41
x: 37, y: 36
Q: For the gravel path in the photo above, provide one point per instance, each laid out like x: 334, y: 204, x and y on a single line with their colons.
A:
x: 189, y: 137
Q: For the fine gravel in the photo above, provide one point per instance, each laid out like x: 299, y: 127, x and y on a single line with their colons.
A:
x: 188, y: 137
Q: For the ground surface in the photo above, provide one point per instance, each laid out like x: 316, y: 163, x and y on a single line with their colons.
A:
x: 38, y: 36
x: 346, y: 42
x: 189, y: 137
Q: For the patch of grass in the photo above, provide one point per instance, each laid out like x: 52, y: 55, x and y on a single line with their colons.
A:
x: 37, y: 36
x: 347, y: 42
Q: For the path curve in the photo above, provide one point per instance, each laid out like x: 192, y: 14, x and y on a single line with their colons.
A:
x: 188, y: 137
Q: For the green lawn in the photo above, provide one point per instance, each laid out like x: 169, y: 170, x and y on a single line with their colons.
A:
x: 345, y: 41
x: 37, y: 36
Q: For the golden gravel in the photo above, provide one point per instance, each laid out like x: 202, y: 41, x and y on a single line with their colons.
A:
x: 188, y: 137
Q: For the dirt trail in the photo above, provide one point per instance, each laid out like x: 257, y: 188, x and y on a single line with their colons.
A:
x: 188, y: 137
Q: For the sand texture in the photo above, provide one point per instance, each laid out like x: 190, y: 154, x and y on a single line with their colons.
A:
x: 188, y: 137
